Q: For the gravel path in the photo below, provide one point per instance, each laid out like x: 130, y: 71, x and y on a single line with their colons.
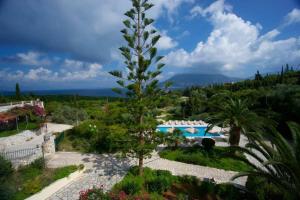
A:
x: 107, y: 170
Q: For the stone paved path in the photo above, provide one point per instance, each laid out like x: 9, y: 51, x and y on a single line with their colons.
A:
x: 101, y: 170
x: 107, y: 170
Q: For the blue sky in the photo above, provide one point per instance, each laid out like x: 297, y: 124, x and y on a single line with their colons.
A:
x: 72, y: 44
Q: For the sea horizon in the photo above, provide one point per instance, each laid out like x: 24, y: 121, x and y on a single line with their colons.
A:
x: 80, y: 92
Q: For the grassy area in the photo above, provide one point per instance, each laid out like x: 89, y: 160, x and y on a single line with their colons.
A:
x: 217, y: 158
x: 160, y: 185
x: 33, y: 178
x: 22, y: 126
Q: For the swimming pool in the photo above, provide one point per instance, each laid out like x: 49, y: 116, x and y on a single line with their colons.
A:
x: 200, y: 131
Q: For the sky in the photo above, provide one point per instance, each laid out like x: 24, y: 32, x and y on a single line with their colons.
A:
x: 73, y: 44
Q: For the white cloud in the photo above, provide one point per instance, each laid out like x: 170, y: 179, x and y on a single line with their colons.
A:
x: 166, y: 42
x: 234, y: 44
x: 217, y: 7
x: 292, y: 17
x: 171, y: 6
x: 40, y: 73
x: 71, y: 70
x: 90, y: 71
x: 31, y: 58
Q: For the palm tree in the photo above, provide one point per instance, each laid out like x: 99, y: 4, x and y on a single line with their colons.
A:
x: 174, y: 138
x: 235, y: 114
x: 279, y: 160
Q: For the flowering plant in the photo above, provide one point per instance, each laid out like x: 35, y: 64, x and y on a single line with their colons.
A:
x: 39, y: 111
x: 94, y: 194
x: 98, y: 194
x: 93, y: 128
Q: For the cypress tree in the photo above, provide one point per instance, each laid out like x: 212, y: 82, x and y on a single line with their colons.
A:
x: 281, y: 75
x: 18, y: 92
x: 258, y: 77
x: 287, y: 69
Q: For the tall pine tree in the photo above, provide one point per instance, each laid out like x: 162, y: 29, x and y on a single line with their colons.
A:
x: 139, y: 80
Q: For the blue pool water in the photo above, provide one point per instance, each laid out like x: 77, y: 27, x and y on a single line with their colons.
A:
x: 200, y: 131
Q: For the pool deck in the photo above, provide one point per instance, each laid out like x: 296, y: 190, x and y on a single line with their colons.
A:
x: 181, y: 125
x: 218, y: 136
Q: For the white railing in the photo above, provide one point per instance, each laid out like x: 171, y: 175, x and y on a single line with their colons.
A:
x: 7, y: 106
x: 22, y: 156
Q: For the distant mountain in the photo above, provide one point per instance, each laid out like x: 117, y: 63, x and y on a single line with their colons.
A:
x: 188, y: 80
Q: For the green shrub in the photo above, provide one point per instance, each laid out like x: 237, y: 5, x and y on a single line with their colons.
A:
x: 208, y: 143
x: 154, y: 181
x: 159, y: 181
x: 181, y: 196
x: 260, y: 188
x: 38, y: 164
x: 5, y: 169
x: 207, y: 187
x: 32, y: 186
x: 191, y: 180
x: 93, y: 136
x: 156, y: 196
x: 131, y: 185
x: 229, y: 192
x: 135, y: 171
x: 7, y: 191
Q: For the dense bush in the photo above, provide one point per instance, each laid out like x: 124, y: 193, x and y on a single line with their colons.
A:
x: 6, y: 170
x: 261, y: 189
x: 208, y: 143
x: 159, y: 181
x: 131, y: 185
x: 93, y: 136
x: 7, y: 191
x: 154, y: 181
